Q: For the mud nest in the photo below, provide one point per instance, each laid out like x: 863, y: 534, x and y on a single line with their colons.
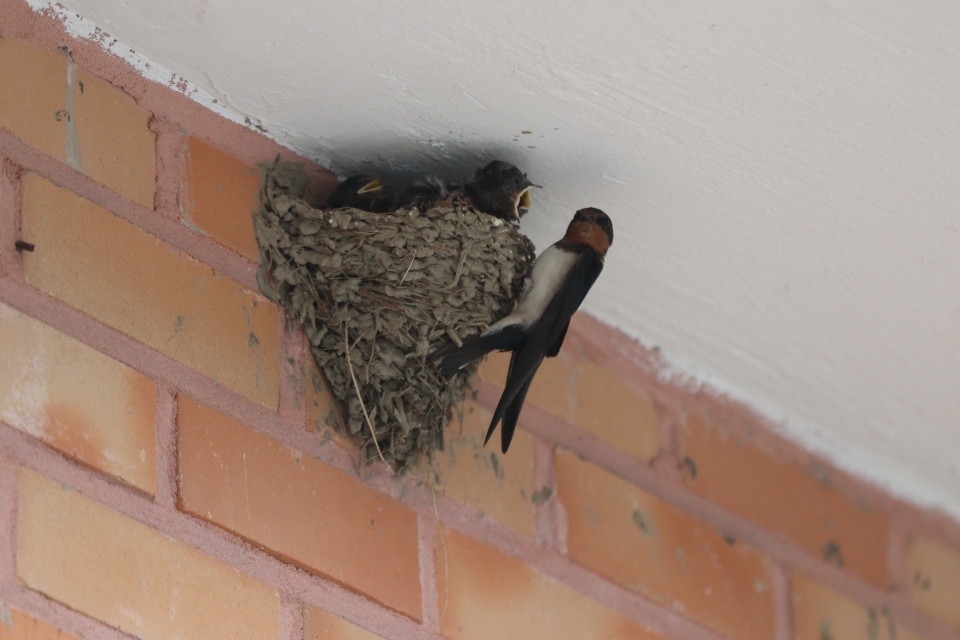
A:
x: 376, y: 293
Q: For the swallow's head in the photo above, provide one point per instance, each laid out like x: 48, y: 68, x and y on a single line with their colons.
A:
x: 354, y: 190
x: 501, y: 190
x: 591, y: 227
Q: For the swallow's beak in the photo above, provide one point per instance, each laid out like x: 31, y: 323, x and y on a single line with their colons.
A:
x: 373, y: 185
x: 525, y: 199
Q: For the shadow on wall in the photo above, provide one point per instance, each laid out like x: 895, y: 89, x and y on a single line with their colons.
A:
x: 399, y: 156
x: 403, y: 155
x: 400, y: 161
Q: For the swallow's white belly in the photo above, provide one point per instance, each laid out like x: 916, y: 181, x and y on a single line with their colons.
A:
x: 548, y: 274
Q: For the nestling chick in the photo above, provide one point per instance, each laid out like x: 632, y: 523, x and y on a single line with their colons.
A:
x: 363, y: 192
x: 501, y: 190
x: 426, y: 192
x: 560, y: 279
x: 498, y: 189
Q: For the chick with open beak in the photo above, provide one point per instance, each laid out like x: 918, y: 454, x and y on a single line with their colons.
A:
x: 363, y: 192
x: 498, y: 189
x: 502, y: 190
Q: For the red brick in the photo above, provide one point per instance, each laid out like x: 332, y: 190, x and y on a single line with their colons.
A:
x: 800, y: 502
x: 320, y: 625
x: 298, y: 508
x: 114, y: 144
x: 581, y: 392
x: 77, y: 400
x: 820, y: 613
x: 33, y: 95
x: 220, y: 193
x: 485, y: 594
x: 113, y: 568
x: 638, y: 541
x: 133, y: 282
x: 15, y: 625
x: 935, y: 580
x: 117, y: 146
x: 499, y: 487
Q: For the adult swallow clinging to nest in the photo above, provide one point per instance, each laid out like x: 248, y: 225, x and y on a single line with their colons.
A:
x: 559, y: 280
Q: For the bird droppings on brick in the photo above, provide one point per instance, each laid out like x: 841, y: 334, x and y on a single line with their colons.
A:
x: 386, y: 290
x: 542, y: 496
x: 833, y: 554
x: 644, y: 522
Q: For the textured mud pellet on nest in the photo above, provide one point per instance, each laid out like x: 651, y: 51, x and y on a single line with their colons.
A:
x: 388, y: 289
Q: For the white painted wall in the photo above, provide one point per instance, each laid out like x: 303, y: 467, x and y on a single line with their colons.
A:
x: 784, y: 177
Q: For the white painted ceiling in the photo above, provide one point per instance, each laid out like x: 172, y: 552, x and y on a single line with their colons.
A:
x: 783, y: 177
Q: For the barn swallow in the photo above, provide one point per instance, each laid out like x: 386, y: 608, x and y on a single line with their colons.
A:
x: 501, y: 190
x: 560, y: 279
x: 363, y: 192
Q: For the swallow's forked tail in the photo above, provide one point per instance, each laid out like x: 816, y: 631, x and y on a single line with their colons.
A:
x: 453, y: 358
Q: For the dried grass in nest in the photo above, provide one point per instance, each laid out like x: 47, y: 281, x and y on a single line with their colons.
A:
x: 386, y: 290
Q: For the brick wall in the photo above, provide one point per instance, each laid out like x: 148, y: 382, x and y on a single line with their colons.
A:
x: 171, y: 463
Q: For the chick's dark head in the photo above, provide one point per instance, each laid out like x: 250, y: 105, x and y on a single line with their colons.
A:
x: 502, y: 190
x: 354, y: 191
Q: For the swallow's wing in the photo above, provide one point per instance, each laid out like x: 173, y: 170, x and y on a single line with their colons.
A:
x: 555, y: 347
x: 548, y: 333
x: 546, y: 336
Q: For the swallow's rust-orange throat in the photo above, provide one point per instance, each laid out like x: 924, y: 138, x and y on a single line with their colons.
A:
x: 589, y: 234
